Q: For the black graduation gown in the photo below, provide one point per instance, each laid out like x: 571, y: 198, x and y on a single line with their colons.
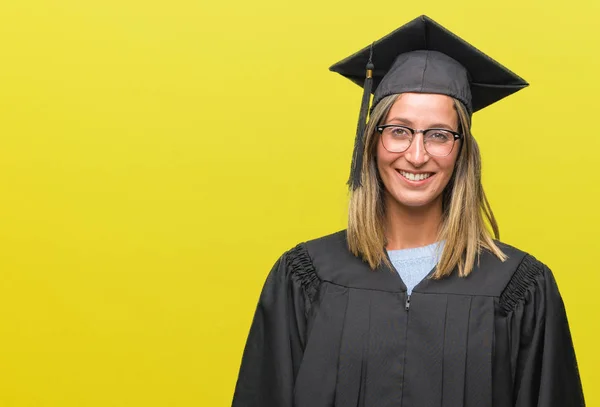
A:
x: 329, y: 331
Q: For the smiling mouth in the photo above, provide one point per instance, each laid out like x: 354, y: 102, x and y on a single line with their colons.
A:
x: 415, y: 177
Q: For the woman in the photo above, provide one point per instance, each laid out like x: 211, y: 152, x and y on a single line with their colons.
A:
x: 415, y: 304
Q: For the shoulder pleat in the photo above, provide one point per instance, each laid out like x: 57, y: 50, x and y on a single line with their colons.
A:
x: 303, y: 271
x: 522, y: 282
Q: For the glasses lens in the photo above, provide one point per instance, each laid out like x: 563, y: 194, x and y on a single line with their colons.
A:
x: 396, y: 139
x: 439, y: 142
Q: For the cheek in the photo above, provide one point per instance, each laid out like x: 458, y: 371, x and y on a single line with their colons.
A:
x: 447, y: 166
x: 383, y: 158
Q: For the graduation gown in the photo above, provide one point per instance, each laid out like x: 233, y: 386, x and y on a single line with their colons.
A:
x: 330, y: 332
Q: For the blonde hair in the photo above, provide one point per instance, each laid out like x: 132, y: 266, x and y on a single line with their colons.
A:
x: 465, y: 208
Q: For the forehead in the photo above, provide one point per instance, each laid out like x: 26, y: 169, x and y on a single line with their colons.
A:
x: 423, y: 109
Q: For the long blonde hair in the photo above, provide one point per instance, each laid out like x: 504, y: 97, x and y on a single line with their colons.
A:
x: 465, y: 208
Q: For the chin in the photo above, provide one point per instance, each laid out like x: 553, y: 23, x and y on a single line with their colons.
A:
x: 414, y: 204
x: 423, y: 201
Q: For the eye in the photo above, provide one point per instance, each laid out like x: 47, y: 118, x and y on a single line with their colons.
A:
x: 398, y: 132
x: 439, y: 136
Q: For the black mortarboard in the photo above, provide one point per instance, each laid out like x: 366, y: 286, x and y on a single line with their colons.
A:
x: 424, y: 57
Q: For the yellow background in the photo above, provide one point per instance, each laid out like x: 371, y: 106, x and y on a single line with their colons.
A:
x: 156, y: 157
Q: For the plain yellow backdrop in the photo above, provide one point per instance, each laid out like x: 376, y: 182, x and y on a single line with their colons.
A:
x: 156, y: 157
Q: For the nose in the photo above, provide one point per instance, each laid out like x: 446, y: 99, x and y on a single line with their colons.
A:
x: 416, y: 153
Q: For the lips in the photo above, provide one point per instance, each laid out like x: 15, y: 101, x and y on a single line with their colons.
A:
x: 415, y: 177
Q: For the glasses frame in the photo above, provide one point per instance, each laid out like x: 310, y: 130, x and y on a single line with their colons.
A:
x: 381, y: 128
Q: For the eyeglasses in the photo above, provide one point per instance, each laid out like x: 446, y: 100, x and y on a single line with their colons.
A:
x: 397, y: 139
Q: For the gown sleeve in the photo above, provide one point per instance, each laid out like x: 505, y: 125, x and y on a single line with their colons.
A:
x: 543, y: 358
x: 277, y: 336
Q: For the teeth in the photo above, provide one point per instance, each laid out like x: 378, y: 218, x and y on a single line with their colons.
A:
x: 414, y: 177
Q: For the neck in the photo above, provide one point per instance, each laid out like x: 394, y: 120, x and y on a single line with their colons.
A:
x: 408, y: 227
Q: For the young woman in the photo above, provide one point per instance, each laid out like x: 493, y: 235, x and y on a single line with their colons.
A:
x: 415, y: 304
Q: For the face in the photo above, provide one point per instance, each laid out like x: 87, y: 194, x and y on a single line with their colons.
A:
x: 432, y: 173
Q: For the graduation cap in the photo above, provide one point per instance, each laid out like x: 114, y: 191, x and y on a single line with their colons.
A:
x: 423, y: 57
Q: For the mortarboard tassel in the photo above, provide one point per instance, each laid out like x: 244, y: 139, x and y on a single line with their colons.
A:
x: 359, y: 143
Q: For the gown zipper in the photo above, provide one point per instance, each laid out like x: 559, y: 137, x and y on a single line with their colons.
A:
x: 407, y: 303
x: 406, y: 307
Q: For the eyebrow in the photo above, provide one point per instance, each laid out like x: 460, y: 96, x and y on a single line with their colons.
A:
x: 400, y: 119
x: 410, y: 123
